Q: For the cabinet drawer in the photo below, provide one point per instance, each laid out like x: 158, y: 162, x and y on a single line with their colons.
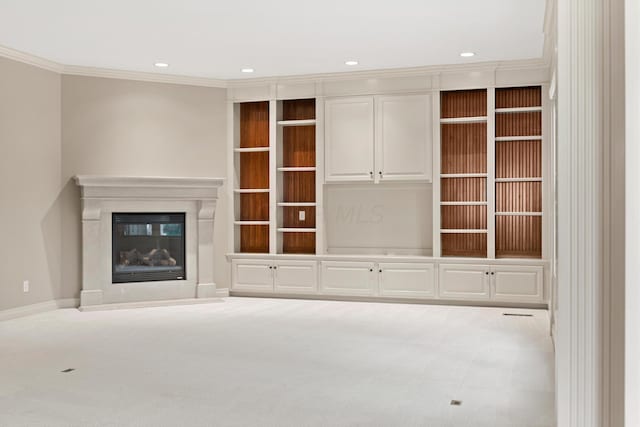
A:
x: 517, y: 283
x: 407, y: 280
x: 464, y: 282
x: 252, y: 275
x: 296, y: 277
x: 348, y: 278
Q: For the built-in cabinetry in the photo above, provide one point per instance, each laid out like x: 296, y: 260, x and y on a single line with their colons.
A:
x: 287, y: 276
x: 486, y: 282
x: 474, y: 158
x: 378, y: 138
x: 491, y: 173
x: 391, y: 278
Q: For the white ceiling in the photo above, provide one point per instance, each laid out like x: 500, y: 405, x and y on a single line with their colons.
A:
x: 213, y: 38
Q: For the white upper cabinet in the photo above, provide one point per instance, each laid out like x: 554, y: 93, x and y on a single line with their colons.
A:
x: 400, y: 149
x: 349, y: 146
x: 404, y: 138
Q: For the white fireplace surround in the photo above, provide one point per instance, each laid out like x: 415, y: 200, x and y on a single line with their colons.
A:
x: 103, y: 195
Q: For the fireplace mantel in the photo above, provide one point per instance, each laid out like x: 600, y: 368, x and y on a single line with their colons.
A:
x: 104, y: 195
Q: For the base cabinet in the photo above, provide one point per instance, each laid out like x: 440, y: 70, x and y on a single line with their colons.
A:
x: 460, y: 281
x: 296, y: 277
x: 463, y: 282
x: 517, y: 284
x: 275, y: 276
x: 523, y: 284
x: 252, y: 275
x: 348, y: 278
x: 406, y: 280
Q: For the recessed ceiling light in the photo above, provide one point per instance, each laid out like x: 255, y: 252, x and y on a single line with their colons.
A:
x: 467, y: 54
x: 247, y: 70
x: 161, y: 64
x: 351, y: 62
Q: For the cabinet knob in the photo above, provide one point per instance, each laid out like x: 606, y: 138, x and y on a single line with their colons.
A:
x: 486, y: 272
x: 371, y: 270
x: 380, y: 271
x: 270, y: 267
x: 274, y: 267
x: 380, y: 173
x: 492, y: 273
x: 371, y: 174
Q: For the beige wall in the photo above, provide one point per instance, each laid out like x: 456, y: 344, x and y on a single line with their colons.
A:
x: 30, y: 171
x: 121, y: 127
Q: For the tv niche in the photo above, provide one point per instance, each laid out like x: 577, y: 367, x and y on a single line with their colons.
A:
x: 148, y: 247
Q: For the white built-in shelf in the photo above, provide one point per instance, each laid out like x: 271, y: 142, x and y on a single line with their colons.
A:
x: 308, y: 122
x: 519, y: 138
x: 251, y: 190
x: 518, y: 110
x: 296, y: 203
x: 519, y: 213
x: 463, y: 175
x: 479, y: 119
x: 296, y: 230
x: 251, y: 222
x: 298, y: 169
x: 462, y: 231
x: 463, y: 203
x: 251, y: 150
x: 530, y: 179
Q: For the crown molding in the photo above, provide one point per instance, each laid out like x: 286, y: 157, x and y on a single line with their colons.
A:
x: 76, y: 70
x: 394, y: 72
x: 27, y: 58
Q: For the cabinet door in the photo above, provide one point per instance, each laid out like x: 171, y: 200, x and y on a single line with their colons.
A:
x: 252, y: 275
x: 296, y: 277
x: 406, y: 280
x: 517, y: 283
x: 349, y: 139
x: 464, y: 281
x: 404, y: 138
x: 348, y: 278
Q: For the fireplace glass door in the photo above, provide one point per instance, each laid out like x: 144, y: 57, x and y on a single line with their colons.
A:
x: 148, y: 247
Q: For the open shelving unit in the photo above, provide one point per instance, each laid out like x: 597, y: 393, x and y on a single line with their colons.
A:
x: 463, y: 173
x: 296, y: 176
x: 518, y: 171
x: 251, y: 158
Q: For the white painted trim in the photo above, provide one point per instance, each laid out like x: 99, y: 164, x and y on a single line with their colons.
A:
x: 26, y: 58
x: 222, y: 292
x: 430, y: 73
x: 492, y: 66
x: 632, y: 200
x: 42, y: 307
x: 435, y: 226
x: 145, y: 304
x: 106, y: 73
x: 490, y: 186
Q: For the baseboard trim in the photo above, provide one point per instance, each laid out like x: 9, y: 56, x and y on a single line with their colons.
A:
x: 145, y: 304
x: 393, y: 300
x: 222, y: 293
x: 41, y: 307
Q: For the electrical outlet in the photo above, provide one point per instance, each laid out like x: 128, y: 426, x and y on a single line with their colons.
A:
x: 25, y: 286
x: 301, y: 215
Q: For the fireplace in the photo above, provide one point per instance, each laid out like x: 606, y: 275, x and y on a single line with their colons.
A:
x: 148, y: 247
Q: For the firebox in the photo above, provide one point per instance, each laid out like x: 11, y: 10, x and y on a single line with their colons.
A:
x: 148, y: 247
